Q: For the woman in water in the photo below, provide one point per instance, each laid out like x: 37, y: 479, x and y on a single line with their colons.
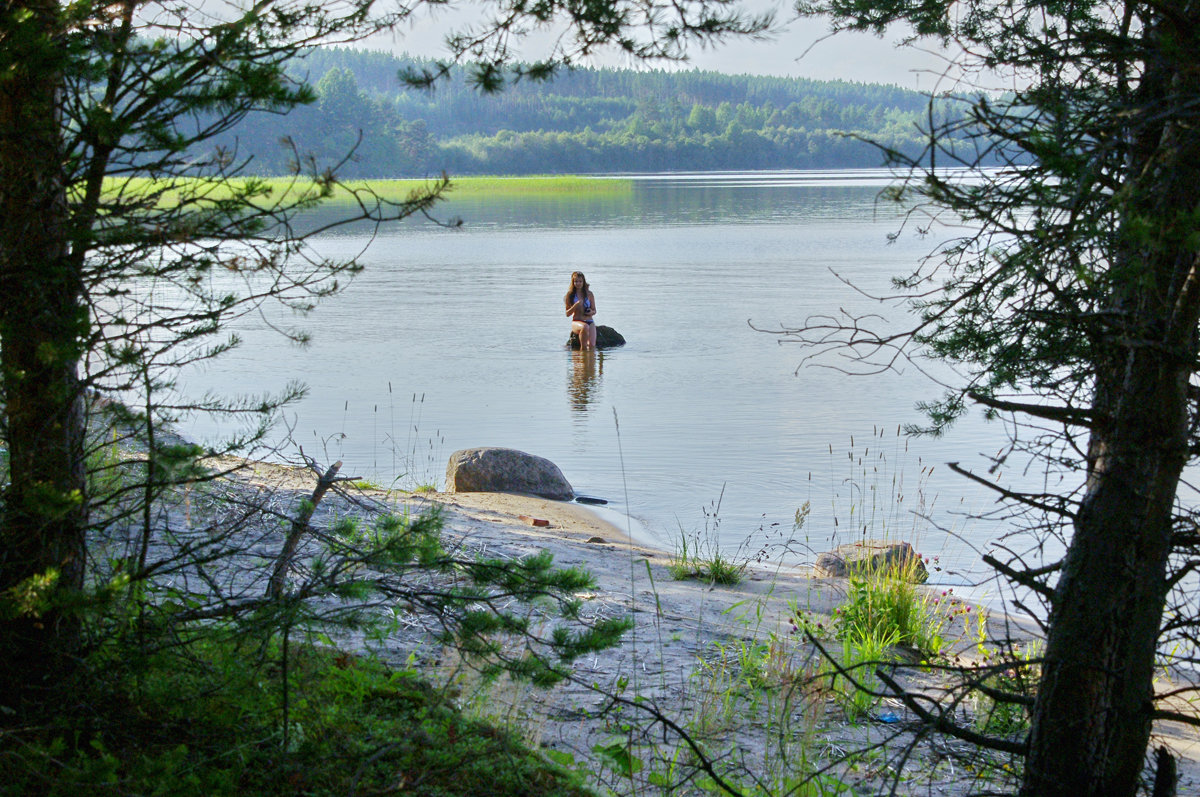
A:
x: 581, y: 306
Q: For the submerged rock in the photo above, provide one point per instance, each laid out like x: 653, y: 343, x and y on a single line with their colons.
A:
x: 606, y: 338
x: 505, y: 470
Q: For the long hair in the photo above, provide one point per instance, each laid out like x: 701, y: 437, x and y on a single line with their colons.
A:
x: 571, y: 291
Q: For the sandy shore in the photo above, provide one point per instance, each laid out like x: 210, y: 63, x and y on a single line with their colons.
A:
x: 633, y: 574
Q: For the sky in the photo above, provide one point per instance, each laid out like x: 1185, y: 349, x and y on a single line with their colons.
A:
x: 806, y: 50
x: 801, y: 49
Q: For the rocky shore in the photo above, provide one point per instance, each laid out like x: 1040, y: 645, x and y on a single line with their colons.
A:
x: 689, y: 644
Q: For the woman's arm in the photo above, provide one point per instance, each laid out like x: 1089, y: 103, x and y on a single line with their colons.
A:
x: 571, y: 308
x: 592, y: 311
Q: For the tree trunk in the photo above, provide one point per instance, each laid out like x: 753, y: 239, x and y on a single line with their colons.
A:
x: 1092, y: 717
x: 42, y: 323
x: 1094, y: 708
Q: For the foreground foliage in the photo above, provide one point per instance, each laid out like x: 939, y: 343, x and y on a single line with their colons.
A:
x: 208, y: 720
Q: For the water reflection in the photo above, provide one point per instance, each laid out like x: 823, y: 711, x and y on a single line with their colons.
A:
x: 652, y: 201
x: 587, y: 368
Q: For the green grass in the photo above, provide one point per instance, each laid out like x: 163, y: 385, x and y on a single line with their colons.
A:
x: 699, y: 556
x: 861, y: 654
x: 475, y: 188
x: 884, y: 604
x: 1014, y: 670
x: 364, y: 484
x: 883, y: 610
x: 211, y: 723
x: 690, y: 562
x: 761, y: 685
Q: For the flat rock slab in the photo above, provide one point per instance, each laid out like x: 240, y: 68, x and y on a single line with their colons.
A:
x: 505, y: 470
x: 896, y: 559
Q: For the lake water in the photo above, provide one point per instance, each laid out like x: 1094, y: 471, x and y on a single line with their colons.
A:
x: 700, y: 426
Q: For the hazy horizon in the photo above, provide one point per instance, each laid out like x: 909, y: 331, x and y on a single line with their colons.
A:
x: 800, y: 49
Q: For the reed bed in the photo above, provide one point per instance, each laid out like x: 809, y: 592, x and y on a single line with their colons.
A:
x: 276, y: 189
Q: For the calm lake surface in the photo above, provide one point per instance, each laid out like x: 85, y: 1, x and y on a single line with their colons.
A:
x: 701, y: 426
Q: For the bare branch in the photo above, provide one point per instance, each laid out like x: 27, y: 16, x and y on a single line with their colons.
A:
x: 944, y: 724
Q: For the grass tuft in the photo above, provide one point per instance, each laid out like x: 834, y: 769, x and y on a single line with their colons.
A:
x: 689, y: 562
x: 700, y: 556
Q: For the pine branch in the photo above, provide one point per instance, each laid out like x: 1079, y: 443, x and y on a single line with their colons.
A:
x: 1068, y: 415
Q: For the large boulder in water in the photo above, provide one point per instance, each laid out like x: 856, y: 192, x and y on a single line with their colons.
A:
x: 893, y: 559
x: 606, y: 338
x: 505, y: 470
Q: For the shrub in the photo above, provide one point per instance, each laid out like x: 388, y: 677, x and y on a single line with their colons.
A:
x: 205, y: 720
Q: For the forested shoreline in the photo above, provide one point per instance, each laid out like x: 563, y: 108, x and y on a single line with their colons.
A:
x: 583, y: 121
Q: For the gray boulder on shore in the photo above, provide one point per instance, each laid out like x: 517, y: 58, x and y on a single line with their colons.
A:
x: 606, y: 338
x: 505, y: 470
x: 872, y: 556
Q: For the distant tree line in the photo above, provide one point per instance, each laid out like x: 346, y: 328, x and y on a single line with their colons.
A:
x: 585, y: 120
